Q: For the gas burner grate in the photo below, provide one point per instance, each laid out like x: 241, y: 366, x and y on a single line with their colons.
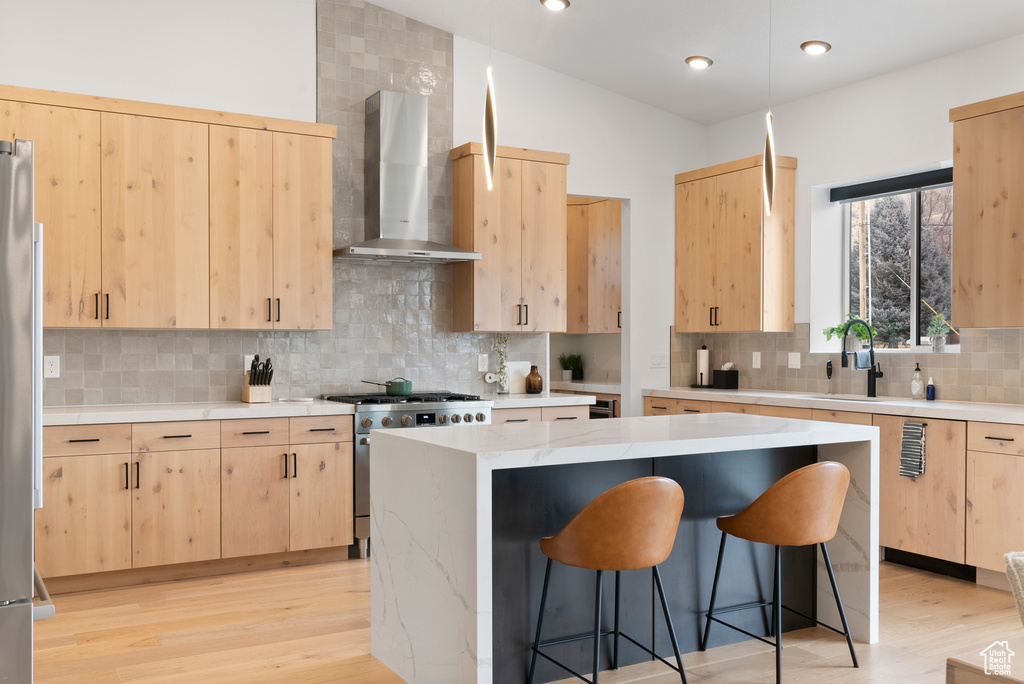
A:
x: 416, y: 398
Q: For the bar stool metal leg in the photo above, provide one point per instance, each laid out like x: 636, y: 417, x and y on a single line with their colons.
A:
x: 714, y: 594
x: 597, y: 628
x: 615, y: 642
x: 540, y: 621
x: 777, y: 614
x: 839, y: 604
x: 771, y: 630
x: 671, y: 627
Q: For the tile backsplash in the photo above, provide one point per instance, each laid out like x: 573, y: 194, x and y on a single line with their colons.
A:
x: 986, y: 369
x: 389, y: 319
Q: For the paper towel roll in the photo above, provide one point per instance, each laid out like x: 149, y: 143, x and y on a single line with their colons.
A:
x: 491, y: 377
x: 703, y: 364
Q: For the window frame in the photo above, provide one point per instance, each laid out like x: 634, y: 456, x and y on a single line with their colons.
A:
x: 898, y: 185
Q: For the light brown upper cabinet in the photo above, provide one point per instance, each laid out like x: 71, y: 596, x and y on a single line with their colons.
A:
x: 734, y: 263
x: 156, y: 222
x: 520, y: 228
x: 158, y: 216
x: 594, y: 266
x: 988, y: 211
x: 67, y: 166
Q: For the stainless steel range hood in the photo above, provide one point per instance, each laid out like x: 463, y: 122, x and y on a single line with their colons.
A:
x: 396, y: 185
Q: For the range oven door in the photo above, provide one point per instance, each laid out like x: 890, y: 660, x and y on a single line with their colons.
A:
x: 603, y: 408
x: 361, y: 481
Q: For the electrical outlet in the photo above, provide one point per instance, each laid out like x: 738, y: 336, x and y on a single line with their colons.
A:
x: 483, y: 362
x: 756, y: 361
x: 51, y: 366
x: 247, y: 361
x: 794, y: 359
x: 659, y: 360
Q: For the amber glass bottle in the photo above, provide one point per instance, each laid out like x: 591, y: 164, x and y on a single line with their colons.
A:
x: 534, y: 383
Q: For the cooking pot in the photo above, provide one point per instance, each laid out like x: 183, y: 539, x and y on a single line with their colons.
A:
x: 399, y: 387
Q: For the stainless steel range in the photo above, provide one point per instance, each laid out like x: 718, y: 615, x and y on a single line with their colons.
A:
x: 384, y: 412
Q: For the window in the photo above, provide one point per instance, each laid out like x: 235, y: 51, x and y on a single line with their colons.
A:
x: 899, y: 255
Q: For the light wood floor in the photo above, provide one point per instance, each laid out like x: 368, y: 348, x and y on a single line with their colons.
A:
x: 311, y: 624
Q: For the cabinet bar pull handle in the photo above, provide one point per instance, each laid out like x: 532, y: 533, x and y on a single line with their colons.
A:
x: 711, y: 315
x: 278, y: 309
x: 566, y: 417
x: 97, y: 306
x: 691, y: 410
x: 620, y: 319
x: 108, y: 305
x: 79, y: 441
x: 527, y: 321
x: 286, y: 466
x: 257, y: 432
x: 177, y: 436
x: 295, y: 465
x: 137, y: 483
x: 126, y: 485
x: 716, y: 315
x: 270, y: 310
x: 660, y: 408
x: 322, y: 429
x: 1001, y: 439
x: 518, y: 420
x: 519, y: 314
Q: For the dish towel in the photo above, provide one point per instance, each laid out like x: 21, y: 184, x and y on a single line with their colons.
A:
x: 1015, y: 575
x: 912, y: 451
x: 863, y: 360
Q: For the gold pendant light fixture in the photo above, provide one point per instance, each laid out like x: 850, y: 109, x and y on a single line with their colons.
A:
x: 490, y: 122
x: 768, y: 163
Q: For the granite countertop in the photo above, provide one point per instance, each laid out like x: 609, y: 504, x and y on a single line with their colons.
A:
x: 895, y: 406
x: 584, y: 386
x: 228, y: 410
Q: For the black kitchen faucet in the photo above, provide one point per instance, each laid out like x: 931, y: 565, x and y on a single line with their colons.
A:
x: 874, y: 370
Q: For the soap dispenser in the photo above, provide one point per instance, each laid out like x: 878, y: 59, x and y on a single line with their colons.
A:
x: 917, y: 384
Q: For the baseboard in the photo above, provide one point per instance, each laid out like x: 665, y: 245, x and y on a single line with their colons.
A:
x: 993, y: 579
x: 939, y: 567
x: 169, y: 573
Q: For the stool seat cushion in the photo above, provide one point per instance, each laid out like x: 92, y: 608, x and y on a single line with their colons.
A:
x: 800, y: 509
x: 629, y: 527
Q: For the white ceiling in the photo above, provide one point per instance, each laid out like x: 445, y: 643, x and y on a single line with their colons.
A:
x: 637, y: 47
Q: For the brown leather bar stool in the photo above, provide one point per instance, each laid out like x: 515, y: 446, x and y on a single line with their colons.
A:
x: 629, y: 527
x: 801, y: 509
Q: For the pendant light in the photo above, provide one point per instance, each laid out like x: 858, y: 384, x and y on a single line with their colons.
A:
x: 768, y: 163
x: 490, y: 126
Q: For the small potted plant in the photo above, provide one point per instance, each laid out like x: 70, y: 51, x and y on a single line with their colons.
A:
x: 857, y: 330
x: 572, y: 366
x: 937, y: 331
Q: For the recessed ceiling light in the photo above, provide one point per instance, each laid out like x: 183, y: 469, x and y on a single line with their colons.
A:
x: 698, y: 62
x: 815, y: 47
x: 556, y: 5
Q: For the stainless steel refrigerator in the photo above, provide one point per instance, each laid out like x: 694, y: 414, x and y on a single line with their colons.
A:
x: 20, y: 404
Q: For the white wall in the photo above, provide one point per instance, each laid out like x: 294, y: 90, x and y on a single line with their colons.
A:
x: 618, y: 148
x: 887, y: 125
x: 247, y: 56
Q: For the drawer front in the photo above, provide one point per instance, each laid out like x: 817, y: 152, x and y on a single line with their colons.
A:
x: 320, y: 429
x: 659, y: 406
x: 684, y: 406
x: 178, y: 436
x: 253, y: 432
x: 787, y: 412
x: 850, y: 417
x: 516, y: 415
x: 996, y: 438
x: 565, y: 413
x: 86, y: 440
x: 727, y: 407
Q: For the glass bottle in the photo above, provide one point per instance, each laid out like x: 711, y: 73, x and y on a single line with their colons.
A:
x: 534, y: 383
x: 917, y: 384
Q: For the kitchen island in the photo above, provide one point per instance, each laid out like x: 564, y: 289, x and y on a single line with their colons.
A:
x: 456, y: 515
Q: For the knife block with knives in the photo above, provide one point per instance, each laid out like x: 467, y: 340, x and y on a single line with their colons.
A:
x: 256, y: 389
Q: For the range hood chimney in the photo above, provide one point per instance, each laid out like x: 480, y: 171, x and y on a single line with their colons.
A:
x: 396, y: 185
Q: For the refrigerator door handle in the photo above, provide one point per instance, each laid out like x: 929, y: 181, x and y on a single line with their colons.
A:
x: 37, y: 365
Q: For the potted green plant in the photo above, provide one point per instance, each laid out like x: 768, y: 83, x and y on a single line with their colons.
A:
x: 857, y: 330
x: 572, y: 366
x: 937, y: 331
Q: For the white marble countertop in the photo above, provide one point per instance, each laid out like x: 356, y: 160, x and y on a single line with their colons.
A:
x: 895, y: 406
x: 228, y: 410
x: 522, y: 445
x: 508, y: 401
x: 584, y: 386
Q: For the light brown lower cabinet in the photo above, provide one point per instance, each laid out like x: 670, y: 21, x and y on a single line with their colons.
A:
x: 175, y: 507
x: 730, y: 407
x: 539, y: 414
x: 661, y: 406
x: 255, y: 491
x: 924, y: 515
x: 850, y: 417
x: 995, y: 480
x: 321, y: 509
x: 85, y: 524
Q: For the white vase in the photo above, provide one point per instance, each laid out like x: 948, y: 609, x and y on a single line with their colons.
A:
x: 503, y: 379
x: 938, y: 343
x: 567, y: 376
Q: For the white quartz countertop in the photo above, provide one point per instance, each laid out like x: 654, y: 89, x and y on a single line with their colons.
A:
x: 158, y: 413
x: 583, y: 386
x: 522, y: 445
x: 896, y: 406
x: 228, y: 410
x: 508, y: 401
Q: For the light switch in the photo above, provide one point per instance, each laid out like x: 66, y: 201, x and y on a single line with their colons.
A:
x: 659, y: 360
x: 794, y: 359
